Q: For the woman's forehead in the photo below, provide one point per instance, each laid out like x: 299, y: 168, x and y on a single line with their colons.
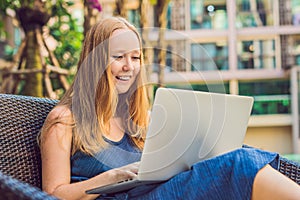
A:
x: 124, y: 40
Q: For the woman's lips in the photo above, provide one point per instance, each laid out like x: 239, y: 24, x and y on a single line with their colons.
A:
x: 123, y: 78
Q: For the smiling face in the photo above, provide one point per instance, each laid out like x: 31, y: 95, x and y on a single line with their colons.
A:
x: 125, y: 58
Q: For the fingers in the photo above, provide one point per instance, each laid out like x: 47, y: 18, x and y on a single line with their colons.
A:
x: 131, y: 175
x: 134, y: 167
x: 125, y: 172
x: 122, y: 175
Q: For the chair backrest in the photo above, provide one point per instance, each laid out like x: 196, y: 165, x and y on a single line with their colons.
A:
x: 21, y: 118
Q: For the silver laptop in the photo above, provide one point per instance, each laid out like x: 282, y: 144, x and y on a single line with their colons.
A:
x: 187, y: 127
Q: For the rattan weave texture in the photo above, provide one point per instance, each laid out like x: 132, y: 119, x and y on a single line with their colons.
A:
x: 21, y: 118
x: 13, y: 189
x: 290, y: 168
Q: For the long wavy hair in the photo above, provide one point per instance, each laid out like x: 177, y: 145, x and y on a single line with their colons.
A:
x: 93, y: 99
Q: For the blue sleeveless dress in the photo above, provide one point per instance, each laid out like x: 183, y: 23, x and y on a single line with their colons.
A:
x: 228, y: 176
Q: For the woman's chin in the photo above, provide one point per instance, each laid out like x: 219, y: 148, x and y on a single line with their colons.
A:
x: 122, y: 90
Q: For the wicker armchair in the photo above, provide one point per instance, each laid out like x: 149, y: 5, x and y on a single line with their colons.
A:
x: 21, y: 118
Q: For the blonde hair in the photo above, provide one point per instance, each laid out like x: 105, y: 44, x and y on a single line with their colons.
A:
x: 92, y: 97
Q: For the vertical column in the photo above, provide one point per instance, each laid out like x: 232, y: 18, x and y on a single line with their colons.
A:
x: 188, y: 41
x: 232, y: 43
x: 178, y: 15
x: 276, y: 18
x: 187, y: 12
x: 232, y: 35
x: 188, y: 55
x: 295, y: 109
x: 234, y: 86
x: 276, y: 10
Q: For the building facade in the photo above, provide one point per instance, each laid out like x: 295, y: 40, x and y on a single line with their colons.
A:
x: 244, y: 47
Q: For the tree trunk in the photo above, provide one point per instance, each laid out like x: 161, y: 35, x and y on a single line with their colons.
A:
x: 121, y: 9
x: 162, y: 7
x: 87, y: 17
x: 30, y: 20
x: 33, y: 81
x: 148, y: 50
x: 90, y: 16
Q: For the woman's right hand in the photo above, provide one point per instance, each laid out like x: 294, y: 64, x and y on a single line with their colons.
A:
x: 125, y: 172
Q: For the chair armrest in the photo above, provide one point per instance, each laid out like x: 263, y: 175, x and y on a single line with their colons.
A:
x: 12, y: 189
x: 289, y: 168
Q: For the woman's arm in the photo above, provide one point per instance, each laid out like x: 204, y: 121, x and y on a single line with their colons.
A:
x: 56, y: 168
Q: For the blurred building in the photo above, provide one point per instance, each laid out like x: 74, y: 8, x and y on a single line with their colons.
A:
x: 255, y: 49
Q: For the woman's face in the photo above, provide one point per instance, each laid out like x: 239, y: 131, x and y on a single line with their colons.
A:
x: 125, y: 58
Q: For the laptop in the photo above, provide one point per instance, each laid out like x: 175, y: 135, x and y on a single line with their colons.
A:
x: 186, y: 127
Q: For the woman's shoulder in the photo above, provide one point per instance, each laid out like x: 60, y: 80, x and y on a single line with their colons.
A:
x: 58, y: 126
x: 60, y: 112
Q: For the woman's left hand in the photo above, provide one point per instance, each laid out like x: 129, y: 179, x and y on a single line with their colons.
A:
x: 125, y: 172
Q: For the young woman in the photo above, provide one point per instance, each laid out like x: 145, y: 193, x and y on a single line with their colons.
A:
x: 95, y: 135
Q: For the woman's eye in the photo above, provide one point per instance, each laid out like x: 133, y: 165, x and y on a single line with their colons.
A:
x: 117, y: 57
x: 136, y: 57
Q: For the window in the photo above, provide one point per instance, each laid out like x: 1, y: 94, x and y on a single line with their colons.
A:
x: 217, y: 87
x: 256, y: 54
x: 221, y: 87
x: 296, y: 12
x: 208, y: 14
x: 294, y: 43
x: 210, y: 56
x: 254, y: 13
x: 169, y: 60
x: 134, y: 17
x: 270, y: 97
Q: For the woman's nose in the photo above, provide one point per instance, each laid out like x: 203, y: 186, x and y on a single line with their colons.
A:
x: 128, y: 64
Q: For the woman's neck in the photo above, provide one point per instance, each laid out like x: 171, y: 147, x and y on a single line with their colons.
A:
x: 117, y: 130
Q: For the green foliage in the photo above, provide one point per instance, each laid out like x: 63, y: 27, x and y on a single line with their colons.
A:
x: 65, y: 29
x: 13, y: 4
x: 68, y: 34
x: 16, y: 4
x: 8, y: 52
